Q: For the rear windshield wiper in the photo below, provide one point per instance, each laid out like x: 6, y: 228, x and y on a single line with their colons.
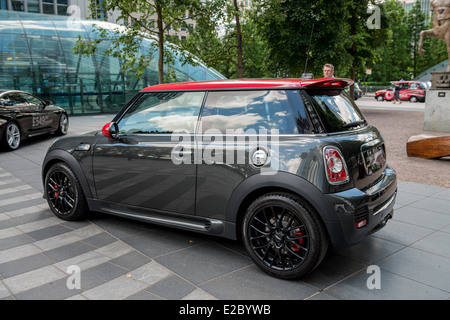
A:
x: 354, y: 124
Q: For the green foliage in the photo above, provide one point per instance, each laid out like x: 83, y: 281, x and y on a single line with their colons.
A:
x: 399, y: 58
x: 138, y: 18
x: 280, y: 38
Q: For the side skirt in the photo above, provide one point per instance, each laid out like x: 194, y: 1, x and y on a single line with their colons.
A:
x: 180, y: 221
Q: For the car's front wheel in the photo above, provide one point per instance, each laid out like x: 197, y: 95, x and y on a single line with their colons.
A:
x: 380, y: 98
x: 64, y: 193
x: 284, y: 236
x: 12, y: 136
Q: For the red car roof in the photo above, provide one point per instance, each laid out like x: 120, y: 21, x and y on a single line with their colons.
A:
x: 251, y: 83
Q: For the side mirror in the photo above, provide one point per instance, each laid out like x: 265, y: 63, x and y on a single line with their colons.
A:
x: 111, y: 130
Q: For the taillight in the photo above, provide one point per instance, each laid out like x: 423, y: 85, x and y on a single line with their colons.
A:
x: 335, y: 166
x: 360, y: 224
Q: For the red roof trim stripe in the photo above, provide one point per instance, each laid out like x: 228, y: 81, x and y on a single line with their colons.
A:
x: 250, y: 83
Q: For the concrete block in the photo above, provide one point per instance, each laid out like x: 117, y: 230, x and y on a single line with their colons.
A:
x: 437, y: 110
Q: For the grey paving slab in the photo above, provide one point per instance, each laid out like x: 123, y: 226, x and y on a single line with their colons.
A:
x: 56, y: 290
x: 23, y: 265
x: 422, y: 266
x: 68, y: 251
x: 422, y: 217
x: 47, y: 232
x: 402, y: 232
x: 419, y: 188
x: 15, y: 241
x: 98, y: 275
x: 435, y: 204
x: 393, y: 287
x: 100, y: 240
x: 370, y: 250
x: 203, y: 262
x: 172, y: 288
x: 144, y: 295
x: 131, y: 260
x: 155, y: 243
x: 437, y: 243
x: 251, y: 283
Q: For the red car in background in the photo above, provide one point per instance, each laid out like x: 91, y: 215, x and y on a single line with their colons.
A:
x: 413, y: 91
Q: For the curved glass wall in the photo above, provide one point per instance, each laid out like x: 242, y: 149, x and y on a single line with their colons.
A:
x: 36, y: 55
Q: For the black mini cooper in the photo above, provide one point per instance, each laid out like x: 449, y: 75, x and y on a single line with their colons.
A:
x: 23, y: 115
x: 290, y: 166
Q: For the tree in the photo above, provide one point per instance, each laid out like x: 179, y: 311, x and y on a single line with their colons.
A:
x: 137, y: 16
x: 340, y: 35
x: 286, y: 29
x: 393, y: 59
x: 416, y: 23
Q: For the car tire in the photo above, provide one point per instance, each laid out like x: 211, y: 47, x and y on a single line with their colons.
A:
x: 284, y: 236
x: 64, y: 193
x: 413, y: 99
x: 63, y: 127
x: 12, y: 136
x: 380, y: 98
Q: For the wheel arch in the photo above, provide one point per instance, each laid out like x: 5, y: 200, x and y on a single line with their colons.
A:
x: 59, y: 155
x: 252, y: 188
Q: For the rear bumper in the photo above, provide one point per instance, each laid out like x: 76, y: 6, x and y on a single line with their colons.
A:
x: 374, y: 204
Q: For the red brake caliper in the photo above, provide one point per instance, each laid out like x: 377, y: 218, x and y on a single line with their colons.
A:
x: 296, y: 247
x: 56, y: 192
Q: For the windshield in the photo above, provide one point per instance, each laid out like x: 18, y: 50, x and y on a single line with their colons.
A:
x: 336, y: 110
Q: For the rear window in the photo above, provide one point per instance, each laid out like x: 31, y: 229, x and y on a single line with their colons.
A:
x: 335, y: 110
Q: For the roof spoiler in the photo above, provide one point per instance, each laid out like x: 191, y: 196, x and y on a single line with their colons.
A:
x: 327, y: 82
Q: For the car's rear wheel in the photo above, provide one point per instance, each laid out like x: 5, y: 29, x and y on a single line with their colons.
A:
x: 63, y: 125
x: 284, y: 236
x: 12, y: 136
x: 64, y: 193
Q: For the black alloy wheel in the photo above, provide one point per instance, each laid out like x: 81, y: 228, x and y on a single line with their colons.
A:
x: 64, y: 193
x: 284, y: 236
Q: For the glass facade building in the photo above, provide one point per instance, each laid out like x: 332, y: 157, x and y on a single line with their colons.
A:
x: 36, y: 55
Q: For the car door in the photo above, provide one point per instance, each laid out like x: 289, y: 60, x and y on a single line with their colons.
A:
x: 42, y: 120
x: 142, y: 168
x: 20, y: 110
x: 404, y: 91
x: 234, y: 126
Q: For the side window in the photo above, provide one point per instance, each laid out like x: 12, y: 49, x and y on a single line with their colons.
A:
x: 404, y: 86
x: 163, y: 113
x: 413, y: 86
x: 248, y: 110
x: 33, y: 100
x: 14, y: 99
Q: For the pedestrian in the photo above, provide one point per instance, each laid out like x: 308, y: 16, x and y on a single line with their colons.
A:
x: 328, y: 71
x: 397, y: 93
